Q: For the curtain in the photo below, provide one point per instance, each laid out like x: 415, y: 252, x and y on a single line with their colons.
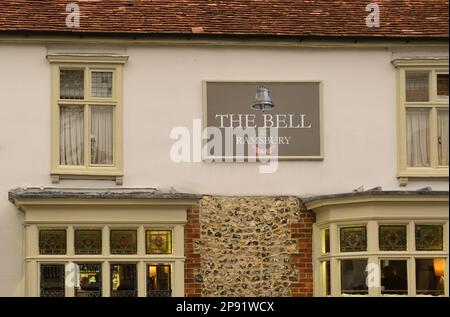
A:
x: 443, y: 137
x: 71, y: 135
x: 418, y: 137
x: 102, y: 135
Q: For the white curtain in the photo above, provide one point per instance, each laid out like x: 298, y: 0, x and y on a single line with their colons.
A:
x: 71, y: 135
x: 102, y: 135
x: 418, y: 137
x: 443, y: 137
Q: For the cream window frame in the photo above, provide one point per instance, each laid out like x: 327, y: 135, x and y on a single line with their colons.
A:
x: 89, y: 63
x: 434, y: 66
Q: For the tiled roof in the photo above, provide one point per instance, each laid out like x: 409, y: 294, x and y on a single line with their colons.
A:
x: 302, y: 18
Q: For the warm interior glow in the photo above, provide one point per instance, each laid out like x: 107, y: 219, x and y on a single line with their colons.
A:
x: 153, y: 271
x: 439, y: 266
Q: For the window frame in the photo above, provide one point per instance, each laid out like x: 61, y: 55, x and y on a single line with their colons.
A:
x: 88, y: 63
x: 434, y: 66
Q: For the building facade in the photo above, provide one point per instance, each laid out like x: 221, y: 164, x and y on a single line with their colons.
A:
x: 100, y: 197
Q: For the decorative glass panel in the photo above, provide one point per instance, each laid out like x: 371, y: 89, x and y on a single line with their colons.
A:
x: 353, y: 277
x: 102, y: 84
x: 123, y: 242
x: 418, y: 137
x: 123, y: 280
x: 392, y: 238
x: 442, y: 86
x: 52, y: 280
x: 417, y: 86
x: 394, y: 277
x: 52, y: 241
x: 159, y: 241
x: 443, y: 137
x: 158, y: 280
x: 102, y: 134
x: 429, y: 238
x: 71, y: 84
x: 71, y: 135
x: 353, y: 239
x: 88, y: 241
x: 430, y: 276
x: 90, y: 280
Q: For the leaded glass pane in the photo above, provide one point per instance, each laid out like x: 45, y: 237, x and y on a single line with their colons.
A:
x: 417, y: 86
x: 442, y: 86
x: 159, y: 241
x: 102, y: 84
x: 158, y: 280
x: 394, y: 277
x: 123, y: 242
x: 353, y: 239
x: 90, y: 280
x: 52, y: 241
x: 429, y: 238
x: 392, y: 238
x: 88, y: 241
x: 71, y: 84
x: 430, y: 276
x: 52, y: 278
x: 353, y: 277
x: 123, y: 280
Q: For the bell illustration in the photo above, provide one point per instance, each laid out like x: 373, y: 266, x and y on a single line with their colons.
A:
x: 262, y: 100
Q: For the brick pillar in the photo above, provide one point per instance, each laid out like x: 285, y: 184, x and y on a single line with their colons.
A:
x: 192, y: 286
x: 302, y: 260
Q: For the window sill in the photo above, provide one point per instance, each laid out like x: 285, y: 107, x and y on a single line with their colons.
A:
x: 84, y: 174
x: 421, y: 173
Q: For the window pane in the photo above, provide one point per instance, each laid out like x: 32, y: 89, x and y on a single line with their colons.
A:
x: 123, y: 242
x: 326, y: 278
x: 430, y: 276
x: 417, y: 86
x: 88, y: 241
x: 429, y: 238
x: 394, y: 277
x: 418, y: 137
x: 443, y: 136
x: 123, y: 280
x: 52, y: 241
x: 442, y: 86
x: 102, y: 134
x: 353, y: 239
x: 353, y: 277
x: 158, y: 280
x: 71, y: 135
x: 71, y: 84
x: 392, y: 238
x: 52, y: 280
x: 325, y: 240
x: 159, y: 241
x: 102, y: 84
x: 90, y: 280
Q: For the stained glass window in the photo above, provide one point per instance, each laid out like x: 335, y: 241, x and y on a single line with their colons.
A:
x: 123, y: 280
x: 90, y: 280
x: 102, y: 84
x: 71, y: 84
x: 158, y: 280
x: 123, y: 242
x: 88, y: 241
x: 52, y: 280
x: 353, y: 239
x: 429, y: 238
x: 52, y: 241
x: 353, y: 277
x: 392, y: 238
x: 159, y: 241
x: 417, y: 86
x: 430, y: 276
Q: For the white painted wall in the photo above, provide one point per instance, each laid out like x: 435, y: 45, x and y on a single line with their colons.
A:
x: 162, y: 89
